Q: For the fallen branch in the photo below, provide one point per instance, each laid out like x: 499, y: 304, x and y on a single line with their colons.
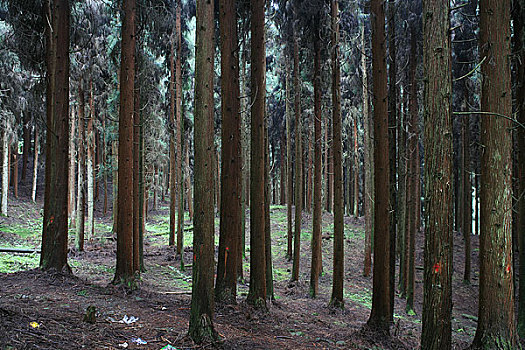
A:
x: 19, y: 250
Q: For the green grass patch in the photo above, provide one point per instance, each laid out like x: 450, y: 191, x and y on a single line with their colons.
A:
x: 364, y: 299
x: 10, y: 263
x: 21, y: 231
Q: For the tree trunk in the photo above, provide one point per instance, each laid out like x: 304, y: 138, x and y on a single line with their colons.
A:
x: 72, y: 213
x: 310, y: 166
x: 402, y: 191
x: 173, y: 159
x: 202, y: 301
x: 257, y: 292
x: 298, y: 161
x: 5, y: 168
x: 519, y: 32
x: 15, y: 170
x: 337, y: 145
x: 496, y: 320
x: 267, y: 224
x: 55, y: 224
x: 114, y: 151
x: 104, y: 166
x: 413, y: 177
x: 81, y: 194
x: 27, y: 143
x: 368, y: 163
x: 380, y: 315
x: 179, y: 129
x: 438, y: 266
x: 356, y: 171
x: 282, y: 167
x: 317, y: 217
x: 392, y: 144
x: 35, y: 165
x: 136, y: 172
x: 467, y: 191
x: 289, y: 173
x: 124, y: 272
x: 231, y: 206
x: 89, y: 164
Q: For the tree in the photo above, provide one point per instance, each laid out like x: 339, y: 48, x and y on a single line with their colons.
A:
x: 519, y: 33
x: 298, y: 155
x: 437, y: 298
x: 124, y: 272
x: 496, y: 320
x: 317, y: 217
x: 257, y: 292
x: 55, y: 224
x: 392, y: 142
x: 369, y: 162
x: 231, y: 165
x: 81, y: 194
x: 180, y: 130
x: 338, y: 270
x: 380, y: 315
x: 202, y: 299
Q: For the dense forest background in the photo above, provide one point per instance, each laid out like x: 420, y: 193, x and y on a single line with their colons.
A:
x: 250, y: 164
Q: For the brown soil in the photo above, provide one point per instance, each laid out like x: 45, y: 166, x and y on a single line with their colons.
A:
x: 58, y: 302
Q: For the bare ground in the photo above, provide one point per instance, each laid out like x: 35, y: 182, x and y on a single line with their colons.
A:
x: 58, y: 302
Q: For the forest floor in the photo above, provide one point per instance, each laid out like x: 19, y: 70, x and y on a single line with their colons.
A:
x: 45, y: 310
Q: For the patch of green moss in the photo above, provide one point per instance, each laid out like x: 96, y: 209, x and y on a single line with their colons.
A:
x: 21, y: 231
x: 10, y: 263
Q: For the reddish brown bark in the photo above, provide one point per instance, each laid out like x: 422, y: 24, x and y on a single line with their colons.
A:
x: 124, y: 272
x: 230, y: 214
x: 380, y: 315
x: 437, y: 298
x: 496, y: 319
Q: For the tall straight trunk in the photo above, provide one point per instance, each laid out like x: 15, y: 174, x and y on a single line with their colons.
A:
x: 104, y: 166
x: 142, y: 221
x: 231, y: 206
x: 413, y: 177
x: 179, y: 128
x: 257, y: 292
x: 81, y: 194
x: 15, y: 170
x: 368, y: 163
x: 519, y: 32
x: 437, y: 296
x: 5, y: 168
x: 380, y: 315
x: 329, y: 167
x: 310, y: 166
x: 282, y: 168
x: 202, y: 300
x: 173, y: 164
x: 72, y: 171
x: 356, y: 172
x: 337, y: 151
x: 392, y: 144
x: 467, y: 191
x: 35, y: 164
x: 124, y: 272
x: 402, y: 195
x: 289, y: 174
x: 136, y: 171
x: 245, y: 146
x: 26, y: 136
x: 496, y: 319
x: 187, y: 176
x: 267, y: 224
x: 317, y: 217
x: 298, y: 160
x: 55, y: 224
x: 90, y: 138
x: 114, y: 154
